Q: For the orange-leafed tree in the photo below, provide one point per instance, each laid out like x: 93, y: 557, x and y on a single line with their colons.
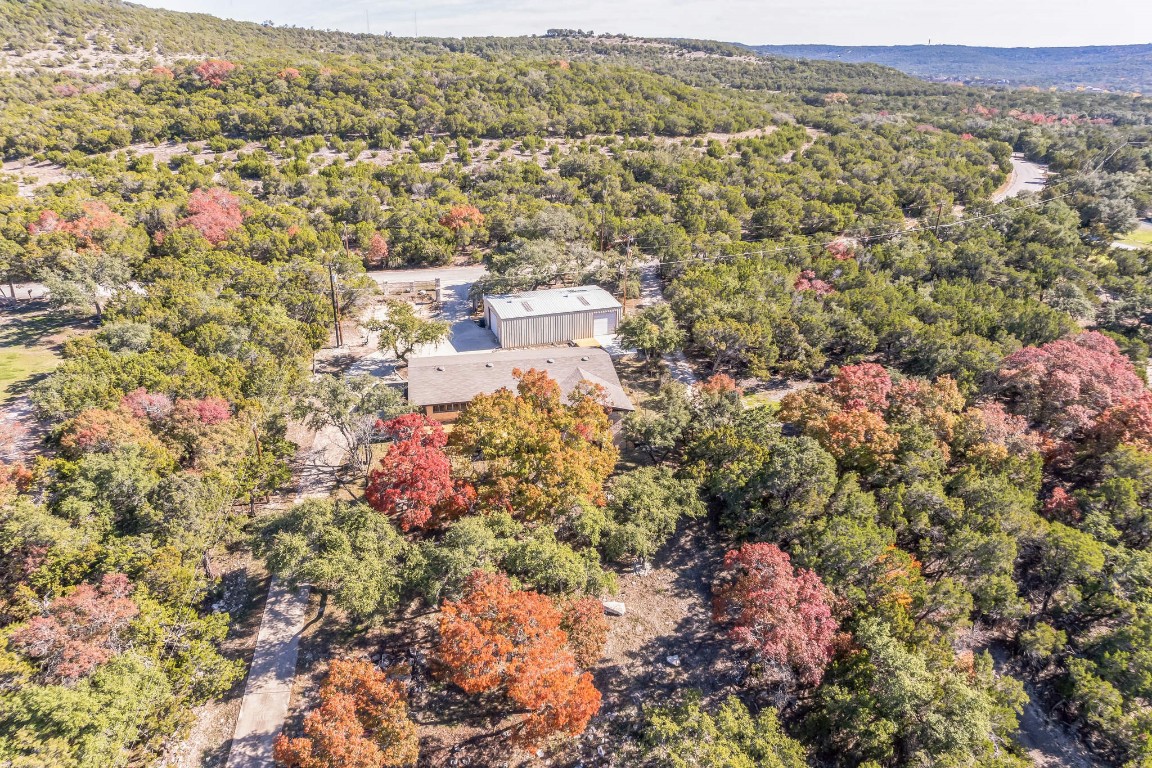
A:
x: 543, y: 457
x: 462, y: 220
x: 377, y: 251
x: 462, y: 216
x: 847, y: 416
x: 785, y: 616
x: 587, y: 628
x: 498, y: 639
x: 360, y: 722
x: 413, y: 481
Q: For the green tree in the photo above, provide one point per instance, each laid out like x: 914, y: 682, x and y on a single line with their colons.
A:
x: 644, y: 507
x: 343, y: 549
x: 653, y: 330
x: 688, y: 736
x: 87, y: 278
x: 402, y: 330
x: 352, y: 405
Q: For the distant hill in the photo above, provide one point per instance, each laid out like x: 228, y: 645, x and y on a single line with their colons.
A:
x: 1107, y: 67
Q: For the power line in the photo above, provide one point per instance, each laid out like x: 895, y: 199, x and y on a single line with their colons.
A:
x: 705, y: 258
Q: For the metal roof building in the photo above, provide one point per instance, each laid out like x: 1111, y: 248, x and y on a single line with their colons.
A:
x: 443, y: 386
x: 548, y: 317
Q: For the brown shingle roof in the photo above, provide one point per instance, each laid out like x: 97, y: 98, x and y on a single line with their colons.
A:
x: 459, y: 378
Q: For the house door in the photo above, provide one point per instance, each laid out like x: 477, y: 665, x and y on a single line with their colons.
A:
x: 602, y: 323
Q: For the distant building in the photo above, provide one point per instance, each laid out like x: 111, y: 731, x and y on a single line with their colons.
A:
x: 442, y: 387
x: 554, y: 316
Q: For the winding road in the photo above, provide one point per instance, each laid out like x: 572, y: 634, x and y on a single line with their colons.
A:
x: 1027, y: 176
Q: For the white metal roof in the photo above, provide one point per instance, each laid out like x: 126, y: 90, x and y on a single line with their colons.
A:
x: 554, y: 301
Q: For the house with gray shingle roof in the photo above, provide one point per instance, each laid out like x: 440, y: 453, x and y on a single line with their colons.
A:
x: 443, y: 386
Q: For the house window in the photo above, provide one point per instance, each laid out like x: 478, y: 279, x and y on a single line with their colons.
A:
x: 449, y: 407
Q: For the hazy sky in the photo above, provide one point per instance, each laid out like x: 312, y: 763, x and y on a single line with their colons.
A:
x: 844, y: 22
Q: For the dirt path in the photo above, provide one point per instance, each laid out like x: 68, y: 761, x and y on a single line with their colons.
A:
x: 665, y: 644
x: 1046, y: 741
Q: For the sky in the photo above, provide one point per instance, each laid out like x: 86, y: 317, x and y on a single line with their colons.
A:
x: 840, y: 22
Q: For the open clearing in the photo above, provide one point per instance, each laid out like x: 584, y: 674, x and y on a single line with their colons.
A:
x: 1141, y: 237
x: 30, y: 339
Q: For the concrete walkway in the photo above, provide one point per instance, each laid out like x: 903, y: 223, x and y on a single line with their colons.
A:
x: 268, y: 692
x: 269, y: 688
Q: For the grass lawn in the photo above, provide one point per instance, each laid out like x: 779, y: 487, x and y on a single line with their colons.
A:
x: 28, y: 346
x: 1141, y: 237
x: 17, y: 364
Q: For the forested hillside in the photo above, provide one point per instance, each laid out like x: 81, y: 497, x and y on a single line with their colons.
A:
x: 1121, y: 68
x: 909, y: 489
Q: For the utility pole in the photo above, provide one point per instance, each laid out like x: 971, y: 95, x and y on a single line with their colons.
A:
x: 624, y: 279
x: 335, y: 305
x: 603, y: 219
x: 939, y: 214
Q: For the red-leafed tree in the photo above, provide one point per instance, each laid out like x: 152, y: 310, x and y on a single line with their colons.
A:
x: 785, y: 616
x: 413, y: 482
x: 361, y: 722
x: 78, y: 631
x: 1064, y: 386
x: 866, y: 385
x: 807, y: 281
x: 843, y: 248
x: 377, y: 250
x: 1062, y: 506
x: 215, y: 71
x: 289, y: 73
x: 208, y: 410
x: 499, y: 639
x: 97, y: 217
x: 215, y: 213
x: 46, y: 223
x: 147, y: 405
x: 198, y: 426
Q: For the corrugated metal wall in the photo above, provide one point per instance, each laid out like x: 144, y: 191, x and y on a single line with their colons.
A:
x: 547, y: 329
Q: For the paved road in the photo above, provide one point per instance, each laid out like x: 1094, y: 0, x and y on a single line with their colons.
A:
x: 1027, y: 176
x: 446, y: 275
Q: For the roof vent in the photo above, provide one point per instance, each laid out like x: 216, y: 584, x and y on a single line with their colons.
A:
x: 487, y: 365
x: 585, y: 358
x: 584, y: 301
x: 549, y: 360
x: 439, y: 367
x: 526, y: 306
